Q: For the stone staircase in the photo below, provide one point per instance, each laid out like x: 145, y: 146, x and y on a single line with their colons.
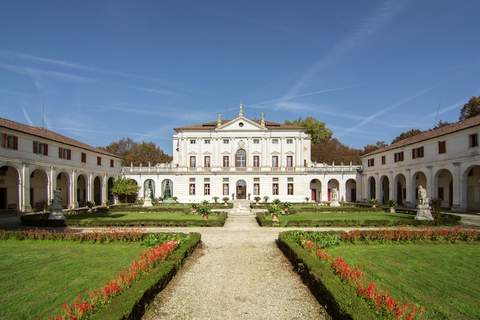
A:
x: 241, y: 207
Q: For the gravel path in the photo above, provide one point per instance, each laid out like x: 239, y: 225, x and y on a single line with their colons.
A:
x: 237, y: 273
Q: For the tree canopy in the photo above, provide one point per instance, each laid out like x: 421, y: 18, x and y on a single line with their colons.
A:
x: 125, y: 189
x: 470, y: 109
x: 372, y: 147
x: 137, y: 153
x: 316, y: 129
x: 407, y: 134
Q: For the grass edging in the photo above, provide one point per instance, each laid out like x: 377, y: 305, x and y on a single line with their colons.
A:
x: 340, y: 301
x: 132, y: 303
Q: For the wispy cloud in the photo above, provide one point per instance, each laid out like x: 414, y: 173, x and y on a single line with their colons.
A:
x: 381, y: 17
x: 27, y: 116
x: 36, y: 72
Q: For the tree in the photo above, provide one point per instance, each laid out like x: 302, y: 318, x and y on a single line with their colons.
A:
x: 441, y: 123
x: 125, y: 188
x: 332, y: 150
x: 407, y: 134
x: 470, y: 109
x: 137, y: 153
x: 316, y: 129
x: 372, y: 147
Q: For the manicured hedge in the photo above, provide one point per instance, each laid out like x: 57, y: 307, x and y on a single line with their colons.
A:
x: 445, y: 220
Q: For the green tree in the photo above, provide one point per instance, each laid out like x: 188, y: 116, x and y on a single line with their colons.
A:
x: 471, y: 108
x: 137, y: 153
x: 316, y: 129
x: 407, y: 134
x: 441, y: 123
x: 372, y: 147
x: 125, y: 189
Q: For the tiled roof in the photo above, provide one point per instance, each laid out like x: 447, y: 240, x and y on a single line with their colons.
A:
x: 50, y: 135
x: 430, y: 134
x: 212, y: 125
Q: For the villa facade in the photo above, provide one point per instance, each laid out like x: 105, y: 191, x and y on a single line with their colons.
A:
x: 445, y: 161
x: 244, y: 158
x: 35, y: 161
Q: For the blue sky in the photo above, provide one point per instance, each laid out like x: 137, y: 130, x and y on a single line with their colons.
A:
x: 104, y: 70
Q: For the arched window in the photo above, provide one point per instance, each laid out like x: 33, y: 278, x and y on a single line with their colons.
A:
x: 241, y: 158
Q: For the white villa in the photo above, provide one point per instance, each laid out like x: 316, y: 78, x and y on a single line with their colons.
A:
x: 243, y: 158
x: 445, y: 161
x: 35, y: 161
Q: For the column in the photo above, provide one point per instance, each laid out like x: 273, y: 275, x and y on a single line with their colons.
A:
x: 324, y: 190
x: 430, y: 187
x: 73, y: 190
x: 391, y: 186
x: 342, y: 189
x: 359, y: 186
x: 459, y: 202
x: 90, y: 188
x: 378, y: 188
x: 410, y: 194
x: 52, y: 183
x: 25, y: 188
x: 104, y: 190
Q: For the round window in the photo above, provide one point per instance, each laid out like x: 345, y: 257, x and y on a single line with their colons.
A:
x: 241, y: 124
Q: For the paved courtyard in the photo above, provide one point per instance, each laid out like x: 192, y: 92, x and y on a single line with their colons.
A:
x: 237, y: 273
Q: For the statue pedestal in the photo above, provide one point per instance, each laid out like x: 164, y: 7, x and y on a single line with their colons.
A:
x: 56, y: 208
x: 334, y: 203
x: 424, y: 212
x: 147, y: 202
x: 168, y: 200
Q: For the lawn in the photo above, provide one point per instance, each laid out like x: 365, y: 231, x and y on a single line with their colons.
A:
x: 441, y: 277
x: 326, y: 218
x: 38, y: 276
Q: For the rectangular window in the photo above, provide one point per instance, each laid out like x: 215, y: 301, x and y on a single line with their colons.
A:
x: 64, y: 153
x: 191, y: 179
x: 193, y: 141
x: 99, y: 161
x: 290, y: 189
x: 417, y: 153
x: 193, y: 161
x: 275, y: 189
x: 225, y: 189
x: 274, y: 141
x: 226, y: 161
x: 206, y: 189
x: 112, y: 163
x: 206, y: 141
x: 256, y: 141
x: 84, y: 157
x: 289, y: 161
x: 225, y: 179
x: 473, y: 140
x: 442, y: 147
x: 256, y: 189
x: 256, y: 179
x: 289, y: 141
x: 275, y: 161
x: 384, y: 160
x: 206, y: 161
x: 10, y: 141
x: 398, y: 157
x: 256, y: 161
x: 371, y: 162
x: 226, y: 141
x: 40, y: 148
x: 191, y: 189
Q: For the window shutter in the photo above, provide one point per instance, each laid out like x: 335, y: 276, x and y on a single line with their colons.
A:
x: 413, y: 153
x: 45, y: 150
x: 35, y: 147
x: 60, y: 153
x: 69, y: 154
x: 15, y: 142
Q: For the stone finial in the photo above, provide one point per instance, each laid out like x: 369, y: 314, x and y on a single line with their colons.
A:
x: 262, y: 119
x: 241, y: 113
x: 219, y: 120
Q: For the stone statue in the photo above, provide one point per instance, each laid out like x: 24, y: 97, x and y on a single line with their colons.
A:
x: 335, y: 196
x: 56, y: 208
x: 167, y: 194
x: 147, y: 199
x: 424, y: 212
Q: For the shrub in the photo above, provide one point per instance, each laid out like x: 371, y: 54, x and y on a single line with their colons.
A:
x: 277, y: 201
x: 257, y: 199
x: 225, y: 199
x: 265, y: 199
x: 392, y: 203
x: 215, y: 199
x: 373, y: 202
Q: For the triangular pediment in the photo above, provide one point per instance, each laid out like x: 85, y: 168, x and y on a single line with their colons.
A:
x: 241, y: 123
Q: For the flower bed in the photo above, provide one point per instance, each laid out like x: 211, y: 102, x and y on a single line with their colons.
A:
x: 128, y: 291
x: 343, y: 287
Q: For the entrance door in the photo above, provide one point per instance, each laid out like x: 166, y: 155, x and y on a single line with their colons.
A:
x: 314, y: 195
x: 241, y: 189
x: 353, y: 195
x: 3, y: 198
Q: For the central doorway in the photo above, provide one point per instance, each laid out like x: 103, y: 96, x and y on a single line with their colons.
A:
x: 241, y: 189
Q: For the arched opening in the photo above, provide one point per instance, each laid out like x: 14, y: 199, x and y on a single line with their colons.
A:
x: 351, y: 190
x: 167, y: 189
x: 110, y: 196
x: 38, y: 190
x: 97, y: 191
x: 333, y: 183
x: 9, y: 178
x: 131, y: 198
x: 444, y: 191
x: 149, y: 184
x: 385, y: 183
x: 315, y: 190
x: 419, y: 179
x: 82, y: 190
x: 372, y: 193
x: 241, y: 189
x: 63, y: 181
x: 473, y: 188
x: 400, y: 184
x: 241, y: 158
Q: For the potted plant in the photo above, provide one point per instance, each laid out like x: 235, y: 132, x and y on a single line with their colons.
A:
x: 90, y: 206
x: 194, y: 208
x: 274, y: 210
x: 286, y: 208
x: 225, y: 200
x: 307, y: 199
x: 215, y: 199
x: 257, y: 200
x: 265, y: 199
x: 204, y: 210
x: 392, y: 205
x: 373, y: 202
x: 174, y: 199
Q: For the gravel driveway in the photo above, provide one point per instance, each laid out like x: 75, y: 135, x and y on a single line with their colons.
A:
x: 237, y: 273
